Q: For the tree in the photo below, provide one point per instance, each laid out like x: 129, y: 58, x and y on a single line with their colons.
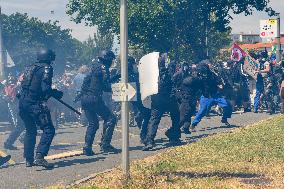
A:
x: 178, y: 26
x: 23, y: 36
x: 91, y: 48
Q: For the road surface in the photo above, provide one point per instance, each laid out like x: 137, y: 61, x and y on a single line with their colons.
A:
x: 69, y: 141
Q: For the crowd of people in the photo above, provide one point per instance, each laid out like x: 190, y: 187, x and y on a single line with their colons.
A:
x: 184, y: 91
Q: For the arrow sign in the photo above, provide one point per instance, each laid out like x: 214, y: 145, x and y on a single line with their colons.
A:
x: 122, y: 92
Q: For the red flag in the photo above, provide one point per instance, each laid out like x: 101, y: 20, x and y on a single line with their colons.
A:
x: 237, y: 53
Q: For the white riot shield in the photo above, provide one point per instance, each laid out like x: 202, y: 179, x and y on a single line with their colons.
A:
x: 148, y: 77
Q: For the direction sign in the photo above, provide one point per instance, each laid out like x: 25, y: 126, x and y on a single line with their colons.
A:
x: 268, y: 28
x: 122, y: 92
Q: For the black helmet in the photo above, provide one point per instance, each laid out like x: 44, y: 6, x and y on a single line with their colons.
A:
x: 106, y: 55
x: 45, y: 56
x: 203, y: 69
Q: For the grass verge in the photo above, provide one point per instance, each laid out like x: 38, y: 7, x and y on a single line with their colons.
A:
x: 248, y: 157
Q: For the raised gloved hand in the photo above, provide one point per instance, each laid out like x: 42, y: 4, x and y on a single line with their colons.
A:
x: 57, y: 94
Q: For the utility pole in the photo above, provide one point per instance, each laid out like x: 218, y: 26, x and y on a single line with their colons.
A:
x: 2, y: 66
x: 124, y: 80
x: 278, y: 40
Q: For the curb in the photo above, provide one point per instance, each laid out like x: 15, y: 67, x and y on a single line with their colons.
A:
x: 87, y: 178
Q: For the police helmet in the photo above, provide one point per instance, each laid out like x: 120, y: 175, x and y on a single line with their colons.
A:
x: 45, y: 56
x: 106, y: 55
x: 203, y: 69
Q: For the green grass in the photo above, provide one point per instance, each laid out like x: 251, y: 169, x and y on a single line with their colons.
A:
x: 248, y: 157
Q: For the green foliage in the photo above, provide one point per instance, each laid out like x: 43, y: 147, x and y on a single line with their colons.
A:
x: 23, y: 36
x: 176, y: 26
x: 92, y: 46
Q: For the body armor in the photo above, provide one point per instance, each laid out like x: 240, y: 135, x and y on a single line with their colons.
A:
x: 33, y: 78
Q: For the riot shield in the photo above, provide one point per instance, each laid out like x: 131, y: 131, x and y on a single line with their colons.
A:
x: 148, y: 69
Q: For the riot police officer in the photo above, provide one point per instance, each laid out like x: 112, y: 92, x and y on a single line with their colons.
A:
x: 187, y: 88
x: 142, y: 115
x: 163, y: 101
x: 35, y: 91
x: 94, y: 84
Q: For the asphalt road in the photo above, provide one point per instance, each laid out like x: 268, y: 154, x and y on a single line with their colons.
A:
x: 70, y: 139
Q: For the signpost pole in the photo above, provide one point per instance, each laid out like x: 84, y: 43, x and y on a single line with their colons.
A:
x: 278, y: 39
x: 124, y: 80
x: 2, y: 74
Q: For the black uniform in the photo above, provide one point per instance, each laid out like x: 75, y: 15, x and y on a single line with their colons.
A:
x: 164, y: 101
x: 187, y: 88
x: 92, y: 103
x: 35, y: 91
x: 141, y: 114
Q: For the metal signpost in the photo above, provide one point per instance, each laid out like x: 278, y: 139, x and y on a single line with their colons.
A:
x: 124, y: 80
x: 2, y: 74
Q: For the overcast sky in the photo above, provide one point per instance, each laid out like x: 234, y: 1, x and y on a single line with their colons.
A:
x: 43, y: 8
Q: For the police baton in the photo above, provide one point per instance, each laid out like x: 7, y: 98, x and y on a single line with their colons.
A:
x: 68, y: 106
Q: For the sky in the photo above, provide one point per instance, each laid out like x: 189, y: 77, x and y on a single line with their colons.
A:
x: 42, y: 9
x: 246, y: 24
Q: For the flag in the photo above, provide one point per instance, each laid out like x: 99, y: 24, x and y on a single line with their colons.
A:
x: 237, y: 53
x: 250, y: 65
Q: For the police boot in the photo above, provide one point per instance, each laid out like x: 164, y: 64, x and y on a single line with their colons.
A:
x: 106, y: 148
x: 173, y: 136
x: 4, y: 160
x: 40, y: 161
x: 9, y: 146
x: 148, y: 146
x: 225, y: 121
x: 88, y: 151
x: 186, y: 130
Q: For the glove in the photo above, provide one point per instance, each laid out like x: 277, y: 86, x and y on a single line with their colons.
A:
x: 57, y: 94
